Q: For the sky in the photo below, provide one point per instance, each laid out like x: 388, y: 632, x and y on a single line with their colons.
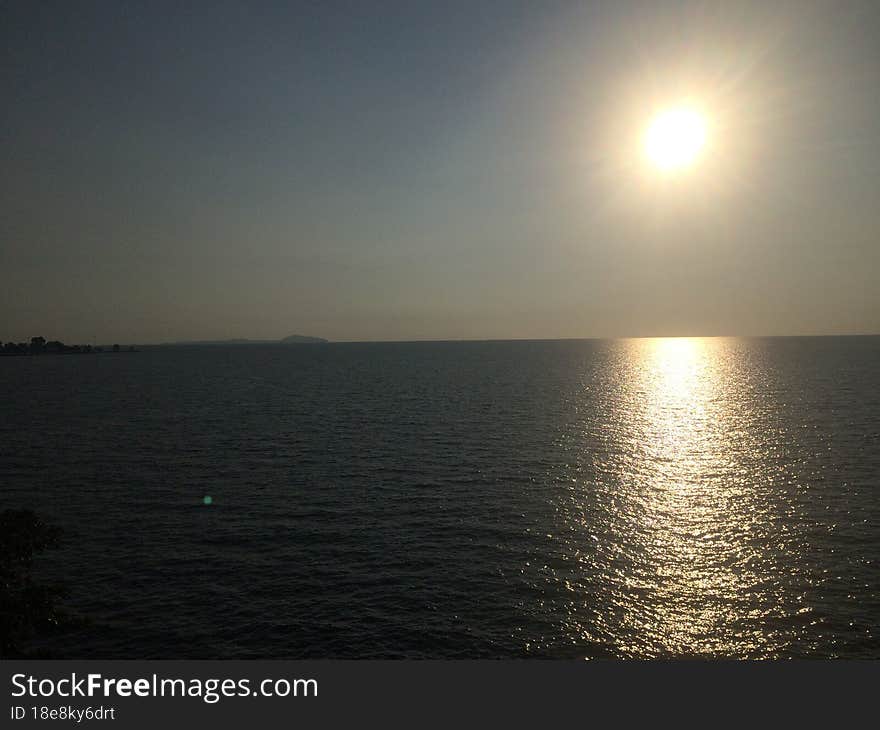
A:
x: 424, y: 170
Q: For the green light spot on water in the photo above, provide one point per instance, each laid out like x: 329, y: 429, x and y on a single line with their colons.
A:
x: 207, y: 499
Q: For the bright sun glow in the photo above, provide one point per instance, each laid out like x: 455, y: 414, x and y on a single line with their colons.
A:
x: 674, y: 138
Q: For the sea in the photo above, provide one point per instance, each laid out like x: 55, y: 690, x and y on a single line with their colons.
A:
x: 623, y: 499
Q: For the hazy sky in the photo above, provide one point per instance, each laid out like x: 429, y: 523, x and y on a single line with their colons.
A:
x: 434, y: 170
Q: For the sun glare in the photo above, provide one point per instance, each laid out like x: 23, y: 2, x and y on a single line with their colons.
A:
x: 674, y: 138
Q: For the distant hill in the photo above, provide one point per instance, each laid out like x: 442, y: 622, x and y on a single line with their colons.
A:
x: 297, y: 339
x: 290, y: 340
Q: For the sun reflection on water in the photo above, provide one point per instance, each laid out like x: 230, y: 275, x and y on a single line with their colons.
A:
x: 695, y: 523
x: 682, y: 506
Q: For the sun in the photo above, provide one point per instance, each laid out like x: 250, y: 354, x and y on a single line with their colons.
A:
x: 675, y: 138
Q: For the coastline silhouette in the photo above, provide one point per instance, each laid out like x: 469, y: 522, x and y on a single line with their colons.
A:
x: 39, y: 346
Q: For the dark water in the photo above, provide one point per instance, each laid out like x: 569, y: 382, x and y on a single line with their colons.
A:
x: 640, y: 498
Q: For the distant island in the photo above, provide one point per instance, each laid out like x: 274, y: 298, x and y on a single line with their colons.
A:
x: 290, y: 340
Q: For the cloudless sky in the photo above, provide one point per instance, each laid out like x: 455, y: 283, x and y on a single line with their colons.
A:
x: 427, y: 170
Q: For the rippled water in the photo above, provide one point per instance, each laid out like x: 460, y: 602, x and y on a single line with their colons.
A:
x: 633, y: 498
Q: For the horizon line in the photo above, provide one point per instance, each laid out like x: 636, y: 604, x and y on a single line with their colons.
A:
x: 245, y: 341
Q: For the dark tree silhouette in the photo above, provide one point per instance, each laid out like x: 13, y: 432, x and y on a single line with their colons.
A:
x: 27, y: 609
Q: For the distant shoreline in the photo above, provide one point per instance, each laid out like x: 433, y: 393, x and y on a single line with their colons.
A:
x: 39, y: 346
x: 290, y: 340
x: 92, y: 351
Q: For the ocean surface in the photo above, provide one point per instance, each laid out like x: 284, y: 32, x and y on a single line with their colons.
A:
x: 589, y: 499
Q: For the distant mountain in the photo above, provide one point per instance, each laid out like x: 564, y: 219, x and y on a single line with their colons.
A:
x: 291, y: 340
